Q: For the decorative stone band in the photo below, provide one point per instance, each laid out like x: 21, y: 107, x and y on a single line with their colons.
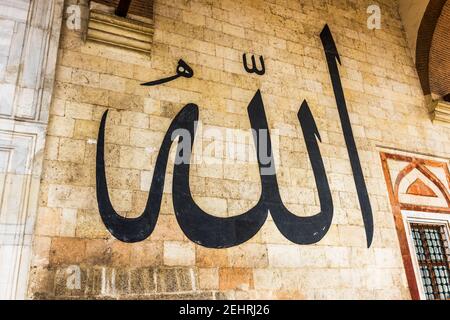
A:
x: 440, y: 112
x: 119, y: 32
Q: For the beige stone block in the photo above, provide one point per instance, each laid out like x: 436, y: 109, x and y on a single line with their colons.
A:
x: 146, y: 180
x: 352, y: 278
x: 60, y: 126
x: 237, y: 207
x: 94, y: 96
x: 122, y: 200
x: 146, y: 138
x: 48, y: 221
x: 71, y: 150
x: 340, y: 166
x: 120, y: 178
x: 211, y: 258
x: 313, y: 256
x: 161, y: 124
x: 248, y: 255
x: 291, y: 280
x: 228, y: 189
x: 152, y: 106
x: 85, y: 129
x: 249, y: 191
x: 71, y: 197
x: 283, y: 256
x: 90, y: 225
x: 112, y: 83
x: 220, y: 13
x: 228, y: 53
x: 231, y: 67
x: 332, y: 237
x: 134, y: 119
x: 236, y: 172
x: 193, y: 18
x: 113, y: 117
x: 290, y: 295
x: 41, y: 251
x: 271, y: 235
x: 361, y: 257
x: 214, y: 206
x: 98, y: 252
x: 119, y: 68
x: 392, y: 294
x: 267, y: 279
x: 84, y: 77
x: 389, y: 237
x: 167, y: 229
x: 320, y: 278
x: 51, y: 148
x: 135, y: 158
x: 63, y: 74
x: 338, y: 257
x: 83, y: 61
x: 139, y: 202
x: 171, y: 95
x: 235, y: 279
x: 117, y: 135
x: 201, y: 46
x: 387, y: 258
x: 233, y: 30
x: 209, y: 61
x: 67, y: 251
x: 68, y: 223
x: 112, y: 153
x: 59, y: 172
x: 79, y: 110
x: 58, y: 108
x: 378, y: 278
x: 147, y: 254
x: 120, y: 253
x: 352, y: 236
x: 208, y: 278
x: 122, y: 101
x: 179, y: 253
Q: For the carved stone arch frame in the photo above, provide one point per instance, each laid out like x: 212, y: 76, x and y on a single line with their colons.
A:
x: 398, y: 207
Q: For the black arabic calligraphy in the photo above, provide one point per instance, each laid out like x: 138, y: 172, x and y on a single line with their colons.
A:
x: 254, y: 68
x: 214, y: 232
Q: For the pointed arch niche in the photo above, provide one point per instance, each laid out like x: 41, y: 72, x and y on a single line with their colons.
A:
x: 419, y: 185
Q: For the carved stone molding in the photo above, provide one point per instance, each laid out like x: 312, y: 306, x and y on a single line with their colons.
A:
x: 440, y: 112
x: 26, y: 90
x: 21, y: 149
x: 31, y: 64
x: 119, y: 32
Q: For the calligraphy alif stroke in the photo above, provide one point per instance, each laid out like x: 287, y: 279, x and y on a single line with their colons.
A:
x: 214, y: 232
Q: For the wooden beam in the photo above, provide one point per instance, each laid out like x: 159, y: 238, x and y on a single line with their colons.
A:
x: 122, y: 8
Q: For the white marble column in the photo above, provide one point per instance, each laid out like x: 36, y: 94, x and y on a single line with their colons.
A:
x: 29, y: 39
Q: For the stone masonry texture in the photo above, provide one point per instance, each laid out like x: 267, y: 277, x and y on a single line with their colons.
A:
x: 386, y: 108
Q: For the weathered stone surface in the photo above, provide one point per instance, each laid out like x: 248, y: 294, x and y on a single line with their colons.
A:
x: 235, y: 279
x: 179, y: 253
x: 385, y: 108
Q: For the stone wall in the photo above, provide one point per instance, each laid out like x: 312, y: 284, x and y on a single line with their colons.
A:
x: 75, y: 256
